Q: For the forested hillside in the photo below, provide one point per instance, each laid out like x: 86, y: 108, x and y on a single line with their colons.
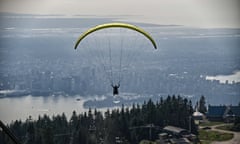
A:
x: 128, y: 124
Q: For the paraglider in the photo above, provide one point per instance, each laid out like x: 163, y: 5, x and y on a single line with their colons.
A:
x: 114, y: 25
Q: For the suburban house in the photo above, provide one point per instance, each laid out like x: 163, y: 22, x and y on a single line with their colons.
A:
x: 223, y: 113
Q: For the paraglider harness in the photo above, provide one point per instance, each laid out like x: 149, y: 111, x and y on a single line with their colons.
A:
x: 115, y: 88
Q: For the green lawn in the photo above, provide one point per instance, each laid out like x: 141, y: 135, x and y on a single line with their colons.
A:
x: 214, y: 136
x: 231, y: 127
x: 225, y: 127
x: 205, y: 142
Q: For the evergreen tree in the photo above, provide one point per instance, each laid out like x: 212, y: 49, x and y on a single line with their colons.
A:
x: 202, y: 105
x: 30, y: 133
x: 131, y: 124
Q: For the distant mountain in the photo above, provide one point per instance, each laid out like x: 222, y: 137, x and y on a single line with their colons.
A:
x: 7, y: 14
x: 61, y: 21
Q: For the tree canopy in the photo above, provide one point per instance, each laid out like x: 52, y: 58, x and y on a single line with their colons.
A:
x: 126, y: 124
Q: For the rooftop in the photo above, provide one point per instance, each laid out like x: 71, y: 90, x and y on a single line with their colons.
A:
x: 174, y: 129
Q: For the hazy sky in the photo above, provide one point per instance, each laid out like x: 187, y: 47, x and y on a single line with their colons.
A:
x: 197, y: 13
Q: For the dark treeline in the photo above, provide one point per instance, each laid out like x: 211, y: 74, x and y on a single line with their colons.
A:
x: 129, y: 125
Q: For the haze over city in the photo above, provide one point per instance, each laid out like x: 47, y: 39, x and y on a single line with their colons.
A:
x: 112, y: 71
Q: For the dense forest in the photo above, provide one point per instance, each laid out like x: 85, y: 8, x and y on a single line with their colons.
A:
x: 125, y: 124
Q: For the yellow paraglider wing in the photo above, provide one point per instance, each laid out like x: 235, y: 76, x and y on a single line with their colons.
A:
x: 112, y: 25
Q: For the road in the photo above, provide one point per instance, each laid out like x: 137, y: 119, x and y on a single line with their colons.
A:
x: 234, y: 140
